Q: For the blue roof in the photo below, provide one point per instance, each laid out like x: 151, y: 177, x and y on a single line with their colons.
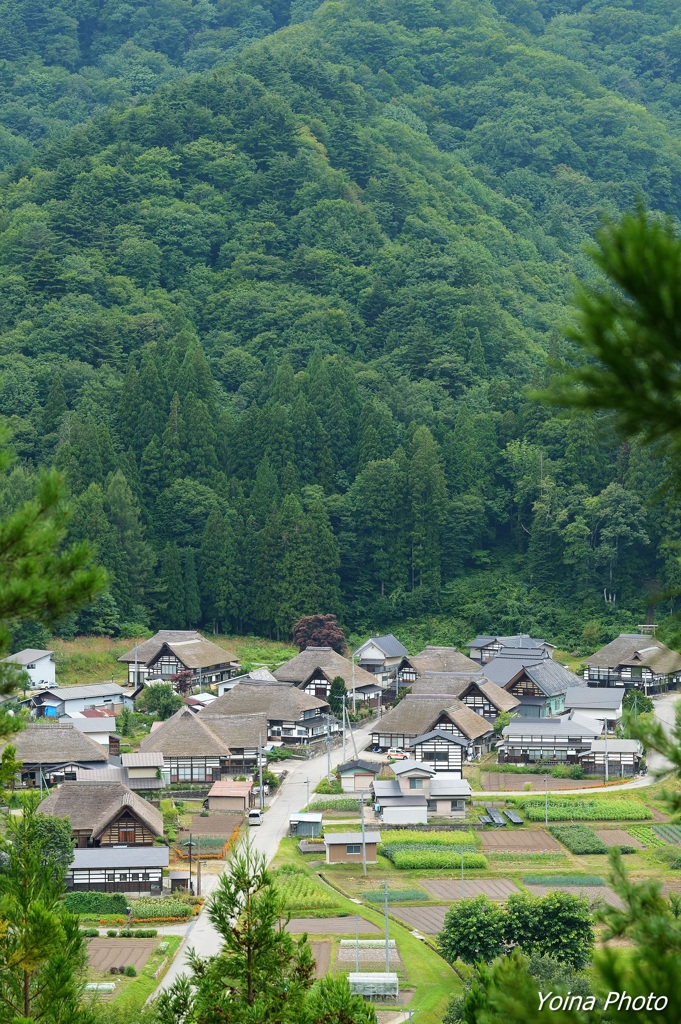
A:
x: 389, y: 644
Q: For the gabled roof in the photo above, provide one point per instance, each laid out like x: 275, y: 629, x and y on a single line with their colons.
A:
x: 92, y: 806
x: 499, y: 698
x: 239, y: 732
x: 121, y: 857
x: 53, y: 743
x: 230, y: 787
x: 522, y: 641
x: 150, y: 759
x: 386, y: 787
x: 116, y: 773
x: 389, y: 645
x: 458, y: 684
x: 185, y: 735
x: 79, y: 692
x: 415, y: 715
x: 339, y: 838
x: 362, y: 766
x: 299, y: 669
x: 441, y: 659
x: 608, y: 698
x: 407, y: 765
x: 148, y: 648
x: 448, y: 784
x: 552, y: 678
x: 279, y: 703
x: 438, y: 734
x: 637, y: 650
x: 616, y: 747
x: 564, y: 726
x: 360, y: 681
x: 196, y: 653
x: 28, y: 656
x: 507, y: 667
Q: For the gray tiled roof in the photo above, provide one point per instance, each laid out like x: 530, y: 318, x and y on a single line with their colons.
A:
x: 552, y: 678
x: 440, y: 734
x: 520, y: 640
x: 365, y: 766
x: 548, y: 727
x: 77, y: 692
x: 121, y: 857
x: 389, y: 644
x: 606, y: 697
x: 448, y: 784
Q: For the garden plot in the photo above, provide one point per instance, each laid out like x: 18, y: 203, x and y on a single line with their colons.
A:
x: 321, y: 951
x: 371, y: 953
x: 330, y: 926
x: 105, y: 953
x: 593, y: 893
x: 497, y: 889
x: 428, y: 920
x: 218, y: 823
x: 618, y: 837
x: 528, y: 839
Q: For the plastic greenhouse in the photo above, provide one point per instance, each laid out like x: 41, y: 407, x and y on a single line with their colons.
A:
x: 377, y: 985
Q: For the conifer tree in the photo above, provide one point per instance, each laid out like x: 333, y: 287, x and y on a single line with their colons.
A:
x: 428, y: 492
x: 192, y: 598
x: 55, y: 406
x: 171, y: 604
x: 173, y: 455
x: 132, y: 557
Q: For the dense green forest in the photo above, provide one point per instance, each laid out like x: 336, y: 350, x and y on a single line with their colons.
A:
x: 279, y: 282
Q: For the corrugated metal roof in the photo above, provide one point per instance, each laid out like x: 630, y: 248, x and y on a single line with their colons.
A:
x: 150, y: 759
x: 121, y: 857
x: 336, y: 838
x: 608, y: 698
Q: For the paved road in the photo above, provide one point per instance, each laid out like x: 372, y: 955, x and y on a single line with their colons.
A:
x: 201, y: 935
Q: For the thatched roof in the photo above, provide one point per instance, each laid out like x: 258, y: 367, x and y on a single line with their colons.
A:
x: 277, y: 702
x: 499, y: 698
x: 637, y: 650
x: 416, y: 715
x: 239, y: 732
x: 459, y: 684
x: 299, y: 669
x: 196, y: 653
x: 185, y: 735
x: 56, y: 743
x: 94, y: 805
x: 149, y: 648
x: 441, y: 659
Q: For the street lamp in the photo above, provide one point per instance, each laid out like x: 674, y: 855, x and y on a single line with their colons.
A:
x: 190, y: 844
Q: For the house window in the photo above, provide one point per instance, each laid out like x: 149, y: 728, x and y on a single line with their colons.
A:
x: 431, y: 805
x: 353, y: 848
x: 457, y: 805
x: 126, y: 835
x: 416, y: 783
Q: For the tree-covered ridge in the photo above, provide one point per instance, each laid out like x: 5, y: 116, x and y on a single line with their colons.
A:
x: 277, y: 323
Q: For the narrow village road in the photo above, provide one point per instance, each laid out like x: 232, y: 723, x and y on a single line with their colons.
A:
x: 201, y: 935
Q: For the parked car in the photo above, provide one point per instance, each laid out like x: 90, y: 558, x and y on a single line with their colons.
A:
x: 395, y: 754
x: 255, y: 818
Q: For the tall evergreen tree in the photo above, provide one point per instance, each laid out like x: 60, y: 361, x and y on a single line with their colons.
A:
x: 192, y: 598
x: 171, y: 610
x: 428, y: 494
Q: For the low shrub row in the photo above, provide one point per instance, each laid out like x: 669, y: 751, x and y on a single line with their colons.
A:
x: 96, y: 902
x: 586, y: 810
x: 152, y: 908
x: 390, y: 849
x: 339, y: 803
x: 132, y: 933
x: 437, y: 858
x: 581, y: 839
x: 129, y: 971
x: 405, y: 835
x: 396, y: 895
x: 589, y: 880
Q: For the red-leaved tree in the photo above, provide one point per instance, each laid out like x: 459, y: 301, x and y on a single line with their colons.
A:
x: 319, y: 631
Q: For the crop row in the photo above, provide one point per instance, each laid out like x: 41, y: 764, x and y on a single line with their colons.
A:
x: 405, y: 835
x: 581, y: 839
x: 589, y: 880
x: 670, y: 833
x: 300, y: 892
x: 396, y: 895
x: 588, y: 810
x: 390, y: 849
x: 438, y: 858
x: 646, y: 835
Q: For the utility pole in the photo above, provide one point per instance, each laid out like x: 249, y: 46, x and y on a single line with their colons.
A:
x: 354, y: 698
x: 198, y: 866
x: 352, y: 735
x: 463, y: 888
x: 261, y: 792
x: 387, y: 934
x: 607, y: 777
x: 191, y: 887
x: 344, y: 696
x: 357, y: 943
x: 364, y: 845
x: 328, y: 748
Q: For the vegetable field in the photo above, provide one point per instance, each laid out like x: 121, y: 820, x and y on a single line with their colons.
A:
x: 396, y: 895
x: 436, y: 858
x: 580, y: 839
x: 586, y: 810
x: 300, y: 892
x: 560, y: 880
x: 402, y: 836
x: 646, y: 835
x: 669, y: 833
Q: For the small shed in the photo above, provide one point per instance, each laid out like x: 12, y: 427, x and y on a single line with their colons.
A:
x: 305, y: 825
x: 230, y: 796
x: 374, y: 985
x: 346, y: 847
x: 179, y: 881
x: 356, y: 776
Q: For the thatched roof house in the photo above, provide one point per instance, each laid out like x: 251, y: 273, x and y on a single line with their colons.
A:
x: 104, y: 814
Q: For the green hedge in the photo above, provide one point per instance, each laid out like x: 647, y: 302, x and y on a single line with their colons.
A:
x: 439, y: 858
x: 158, y: 907
x: 96, y: 902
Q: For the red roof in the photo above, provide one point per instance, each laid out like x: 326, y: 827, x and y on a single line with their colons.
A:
x: 230, y: 788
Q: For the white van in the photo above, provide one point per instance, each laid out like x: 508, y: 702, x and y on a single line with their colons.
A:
x: 255, y: 817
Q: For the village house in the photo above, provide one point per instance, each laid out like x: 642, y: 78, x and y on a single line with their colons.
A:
x: 51, y: 752
x: 432, y: 659
x: 538, y: 682
x: 258, y: 675
x: 346, y: 847
x: 603, y: 704
x: 136, y: 870
x: 624, y: 758
x: 440, y: 750
x: 56, y: 701
x: 292, y: 716
x: 100, y: 726
x: 476, y: 691
x: 356, y: 776
x: 200, y: 749
x: 417, y: 715
x: 143, y: 770
x: 37, y: 664
x: 104, y: 814
x: 315, y: 668
x: 230, y: 795
x: 485, y: 648
x: 554, y: 740
x: 418, y: 791
x: 634, y: 659
x: 173, y: 652
x: 380, y: 655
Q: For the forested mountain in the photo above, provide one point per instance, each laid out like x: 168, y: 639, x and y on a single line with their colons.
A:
x: 279, y: 321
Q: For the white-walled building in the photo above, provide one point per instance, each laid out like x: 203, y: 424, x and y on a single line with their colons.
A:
x: 39, y: 665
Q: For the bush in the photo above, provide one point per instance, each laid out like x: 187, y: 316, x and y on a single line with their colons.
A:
x: 96, y: 903
x: 130, y: 971
x: 144, y: 933
x: 112, y: 933
x: 158, y: 908
x: 346, y: 803
x: 125, y: 933
x: 90, y: 933
x: 332, y: 787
